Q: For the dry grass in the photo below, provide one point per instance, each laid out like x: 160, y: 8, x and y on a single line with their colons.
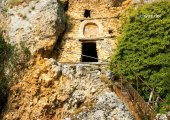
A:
x: 106, y: 81
x: 85, y: 107
x: 17, y: 2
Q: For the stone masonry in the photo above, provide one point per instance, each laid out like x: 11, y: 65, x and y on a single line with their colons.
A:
x: 91, y: 21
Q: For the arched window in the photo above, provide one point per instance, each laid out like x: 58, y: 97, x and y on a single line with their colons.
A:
x: 91, y: 30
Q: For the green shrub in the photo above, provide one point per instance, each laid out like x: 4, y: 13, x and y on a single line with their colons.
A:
x: 144, y: 50
x: 3, y: 83
x: 12, y: 60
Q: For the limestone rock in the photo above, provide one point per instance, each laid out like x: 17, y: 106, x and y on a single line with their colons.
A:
x: 78, y: 92
x: 108, y: 107
x: 144, y: 1
x: 37, y: 24
x: 161, y: 117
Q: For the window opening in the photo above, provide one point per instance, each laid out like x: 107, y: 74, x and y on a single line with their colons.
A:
x: 87, y: 13
x: 89, y: 52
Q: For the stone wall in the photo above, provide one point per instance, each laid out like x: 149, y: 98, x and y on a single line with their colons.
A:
x: 98, y: 8
x: 104, y: 15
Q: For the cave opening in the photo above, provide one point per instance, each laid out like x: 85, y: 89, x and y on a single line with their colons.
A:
x: 87, y: 13
x: 89, y: 52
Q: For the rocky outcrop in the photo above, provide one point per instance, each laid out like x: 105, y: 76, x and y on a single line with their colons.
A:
x: 56, y: 91
x: 37, y: 24
x: 163, y: 116
x: 144, y: 1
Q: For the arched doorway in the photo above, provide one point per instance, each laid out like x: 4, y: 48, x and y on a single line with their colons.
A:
x: 90, y: 32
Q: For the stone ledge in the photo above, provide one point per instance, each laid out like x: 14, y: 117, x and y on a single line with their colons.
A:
x: 83, y: 63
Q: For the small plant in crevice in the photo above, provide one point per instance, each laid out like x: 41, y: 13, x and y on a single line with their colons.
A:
x: 17, y: 60
x: 33, y: 8
x: 23, y: 16
x: 4, y: 11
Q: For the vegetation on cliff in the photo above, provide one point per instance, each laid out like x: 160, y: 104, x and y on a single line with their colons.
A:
x: 4, y: 49
x: 143, y: 54
x: 12, y: 60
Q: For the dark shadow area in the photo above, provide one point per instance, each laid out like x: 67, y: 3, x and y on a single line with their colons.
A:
x: 110, y: 31
x: 4, y: 93
x: 118, y: 3
x: 13, y: 59
x: 66, y: 5
x: 59, y: 44
x: 57, y: 50
x: 89, y: 52
x: 4, y: 88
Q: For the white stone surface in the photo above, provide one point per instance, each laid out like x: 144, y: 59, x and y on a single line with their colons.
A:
x: 38, y: 24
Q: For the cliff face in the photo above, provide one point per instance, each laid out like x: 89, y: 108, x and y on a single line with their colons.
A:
x: 37, y: 24
x: 51, y: 90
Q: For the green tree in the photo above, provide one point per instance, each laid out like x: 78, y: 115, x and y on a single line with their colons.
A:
x: 144, y: 50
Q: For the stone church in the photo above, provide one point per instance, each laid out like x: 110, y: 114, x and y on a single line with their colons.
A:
x: 92, y: 30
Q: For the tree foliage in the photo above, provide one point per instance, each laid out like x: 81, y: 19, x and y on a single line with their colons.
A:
x: 144, y: 50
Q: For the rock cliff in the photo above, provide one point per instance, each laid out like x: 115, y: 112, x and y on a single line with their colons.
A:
x: 37, y: 23
x: 50, y: 90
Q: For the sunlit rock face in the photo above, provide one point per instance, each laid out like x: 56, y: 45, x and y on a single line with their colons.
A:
x: 51, y: 90
x: 37, y: 24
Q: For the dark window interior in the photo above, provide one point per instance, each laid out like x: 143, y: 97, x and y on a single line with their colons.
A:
x: 110, y: 31
x: 66, y: 4
x: 87, y: 13
x: 89, y: 49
